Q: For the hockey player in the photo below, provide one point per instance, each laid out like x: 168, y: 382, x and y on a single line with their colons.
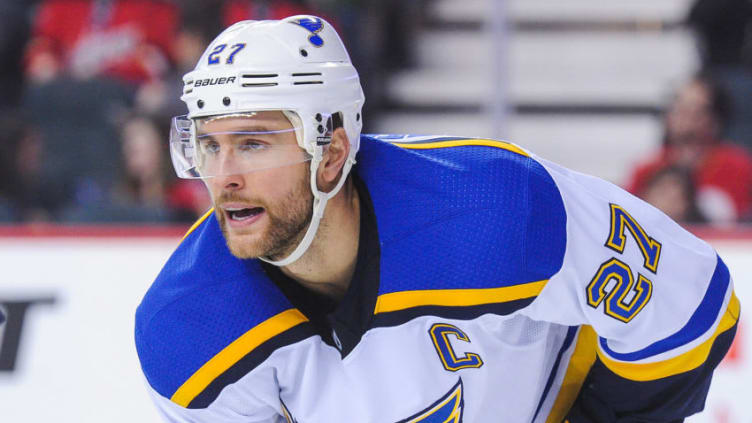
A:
x: 439, y: 279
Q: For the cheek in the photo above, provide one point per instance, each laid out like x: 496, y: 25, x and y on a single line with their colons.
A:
x: 267, y: 185
x: 279, y: 184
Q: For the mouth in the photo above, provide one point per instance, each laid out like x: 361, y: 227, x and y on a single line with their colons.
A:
x: 243, y: 214
x: 238, y: 216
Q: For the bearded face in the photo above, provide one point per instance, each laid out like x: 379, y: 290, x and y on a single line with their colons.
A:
x: 264, y: 227
x: 262, y: 212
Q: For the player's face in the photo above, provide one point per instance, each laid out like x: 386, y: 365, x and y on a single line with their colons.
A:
x: 263, y: 212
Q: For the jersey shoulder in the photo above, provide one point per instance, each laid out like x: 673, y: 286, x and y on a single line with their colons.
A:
x: 456, y: 217
x: 621, y: 247
x: 209, y: 318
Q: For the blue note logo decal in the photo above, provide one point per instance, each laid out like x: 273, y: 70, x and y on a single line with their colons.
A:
x: 314, y: 26
x: 448, y: 409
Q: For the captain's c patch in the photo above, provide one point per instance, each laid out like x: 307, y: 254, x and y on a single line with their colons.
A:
x: 440, y: 335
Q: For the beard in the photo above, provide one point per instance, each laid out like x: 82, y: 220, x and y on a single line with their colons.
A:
x: 288, y: 221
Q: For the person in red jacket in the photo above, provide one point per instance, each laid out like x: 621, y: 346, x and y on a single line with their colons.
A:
x: 722, y: 171
x: 129, y: 40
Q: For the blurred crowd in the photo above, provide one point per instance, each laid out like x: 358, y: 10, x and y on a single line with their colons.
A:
x: 88, y: 88
x: 697, y: 176
x: 702, y: 171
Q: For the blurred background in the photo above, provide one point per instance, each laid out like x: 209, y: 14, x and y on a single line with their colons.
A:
x: 654, y: 96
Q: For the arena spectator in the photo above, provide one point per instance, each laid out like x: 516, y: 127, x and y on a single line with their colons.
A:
x: 147, y: 190
x: 721, y: 171
x: 672, y: 190
x: 130, y: 40
x: 25, y: 194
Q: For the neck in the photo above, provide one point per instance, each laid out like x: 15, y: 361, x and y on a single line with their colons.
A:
x: 328, y: 265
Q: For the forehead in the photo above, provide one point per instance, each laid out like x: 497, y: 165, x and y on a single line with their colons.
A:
x: 266, y: 120
x: 694, y: 94
x: 139, y: 126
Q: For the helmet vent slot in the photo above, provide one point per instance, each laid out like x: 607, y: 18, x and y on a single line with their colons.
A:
x: 260, y: 75
x: 188, y: 91
x: 306, y: 82
x: 253, y: 76
x: 261, y: 84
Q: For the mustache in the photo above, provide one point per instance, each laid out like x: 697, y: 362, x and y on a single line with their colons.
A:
x: 234, y: 197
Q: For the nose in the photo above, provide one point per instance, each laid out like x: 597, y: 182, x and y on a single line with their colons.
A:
x: 229, y: 177
x: 231, y: 182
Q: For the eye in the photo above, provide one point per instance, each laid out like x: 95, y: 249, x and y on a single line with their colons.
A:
x: 209, y: 146
x: 252, y: 145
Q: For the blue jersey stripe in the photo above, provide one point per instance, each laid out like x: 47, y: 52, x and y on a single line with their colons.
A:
x: 701, y: 321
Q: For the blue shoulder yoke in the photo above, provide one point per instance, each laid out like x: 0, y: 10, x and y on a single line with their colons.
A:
x: 203, y: 299
x: 457, y: 213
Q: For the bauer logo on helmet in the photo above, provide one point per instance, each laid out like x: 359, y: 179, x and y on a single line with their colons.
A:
x: 214, y: 81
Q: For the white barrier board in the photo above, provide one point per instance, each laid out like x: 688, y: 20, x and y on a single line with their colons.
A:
x: 75, y: 359
x: 730, y: 397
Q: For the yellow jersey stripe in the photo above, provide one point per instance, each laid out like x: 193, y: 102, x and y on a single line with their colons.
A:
x: 580, y: 362
x: 232, y: 353
x: 464, y: 142
x: 198, y: 223
x: 685, y: 362
x: 456, y: 297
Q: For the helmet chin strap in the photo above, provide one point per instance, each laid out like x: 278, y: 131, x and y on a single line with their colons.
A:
x: 319, y: 204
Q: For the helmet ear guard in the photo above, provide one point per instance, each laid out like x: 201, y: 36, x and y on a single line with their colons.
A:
x: 326, y: 129
x: 297, y: 65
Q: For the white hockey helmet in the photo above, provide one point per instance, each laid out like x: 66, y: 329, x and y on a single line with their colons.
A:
x: 297, y: 65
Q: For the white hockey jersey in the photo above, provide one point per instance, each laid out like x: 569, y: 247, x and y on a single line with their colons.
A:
x: 491, y: 285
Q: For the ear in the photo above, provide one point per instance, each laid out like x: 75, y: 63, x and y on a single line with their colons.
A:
x: 334, y: 159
